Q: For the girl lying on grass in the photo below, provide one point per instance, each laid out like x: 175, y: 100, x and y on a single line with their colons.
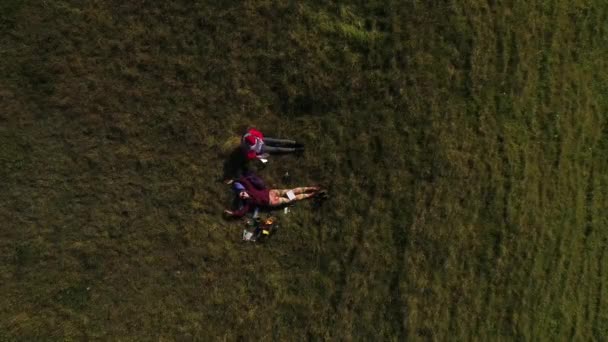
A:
x: 254, y: 194
x: 255, y: 145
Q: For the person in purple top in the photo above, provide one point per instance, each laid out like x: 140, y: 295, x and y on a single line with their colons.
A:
x: 252, y: 191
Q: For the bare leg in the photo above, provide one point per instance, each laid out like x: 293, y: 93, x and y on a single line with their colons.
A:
x: 281, y: 192
x: 279, y: 196
x: 303, y: 196
x: 276, y: 197
x: 305, y: 189
x: 283, y: 200
x: 296, y: 191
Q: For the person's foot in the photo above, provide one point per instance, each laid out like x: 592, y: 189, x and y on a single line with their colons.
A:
x: 320, y: 198
x: 322, y: 194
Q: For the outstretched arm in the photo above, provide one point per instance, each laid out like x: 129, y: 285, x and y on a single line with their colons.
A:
x: 238, y: 213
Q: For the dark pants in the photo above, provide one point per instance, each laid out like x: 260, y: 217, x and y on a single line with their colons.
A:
x: 272, y: 145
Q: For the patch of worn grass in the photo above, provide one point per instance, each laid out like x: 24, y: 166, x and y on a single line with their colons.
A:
x: 464, y: 145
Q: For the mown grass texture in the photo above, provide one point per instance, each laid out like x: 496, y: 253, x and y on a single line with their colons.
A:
x: 464, y: 144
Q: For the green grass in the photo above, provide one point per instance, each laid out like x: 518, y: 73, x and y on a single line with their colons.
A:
x: 464, y: 143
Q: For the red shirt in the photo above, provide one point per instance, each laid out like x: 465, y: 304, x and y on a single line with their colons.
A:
x: 252, y: 143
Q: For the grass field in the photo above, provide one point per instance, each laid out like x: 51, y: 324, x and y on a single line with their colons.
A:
x: 465, y: 145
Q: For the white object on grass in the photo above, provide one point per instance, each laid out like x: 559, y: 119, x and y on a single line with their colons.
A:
x: 247, y: 235
x: 264, y: 160
x: 286, y: 210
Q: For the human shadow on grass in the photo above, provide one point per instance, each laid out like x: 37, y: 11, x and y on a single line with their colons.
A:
x: 234, y: 165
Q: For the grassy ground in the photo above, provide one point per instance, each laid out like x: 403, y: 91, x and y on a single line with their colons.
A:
x: 465, y: 144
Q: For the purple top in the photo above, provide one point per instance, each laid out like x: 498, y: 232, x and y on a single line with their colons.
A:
x: 257, y: 197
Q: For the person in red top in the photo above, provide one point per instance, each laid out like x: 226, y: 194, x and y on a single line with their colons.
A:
x: 255, y: 194
x: 255, y: 145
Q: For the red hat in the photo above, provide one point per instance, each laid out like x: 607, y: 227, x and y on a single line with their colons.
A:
x: 250, y: 139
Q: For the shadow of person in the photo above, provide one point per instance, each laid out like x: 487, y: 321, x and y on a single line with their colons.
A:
x: 234, y: 165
